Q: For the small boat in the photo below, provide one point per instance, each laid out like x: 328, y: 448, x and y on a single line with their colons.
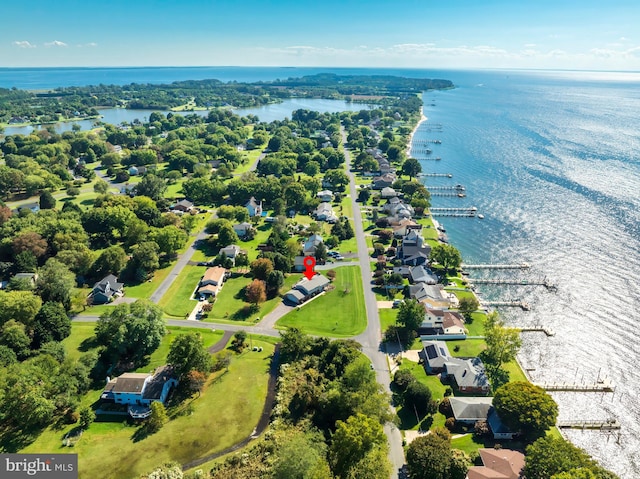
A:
x: 481, y: 216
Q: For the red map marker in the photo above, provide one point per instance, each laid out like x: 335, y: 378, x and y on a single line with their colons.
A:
x: 309, y: 263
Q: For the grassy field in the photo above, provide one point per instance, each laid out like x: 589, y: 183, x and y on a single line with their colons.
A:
x: 197, y: 427
x: 335, y: 313
x: 178, y: 301
x: 387, y: 317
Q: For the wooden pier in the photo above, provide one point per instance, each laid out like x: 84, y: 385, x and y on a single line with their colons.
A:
x: 603, y: 385
x: 516, y: 303
x: 453, y: 210
x: 515, y: 282
x: 436, y: 175
x: 538, y: 329
x: 453, y: 194
x: 446, y: 188
x: 608, y: 425
x: 470, y: 214
x: 496, y: 266
x: 424, y: 142
x: 418, y: 151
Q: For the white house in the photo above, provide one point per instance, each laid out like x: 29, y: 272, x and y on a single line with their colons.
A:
x: 325, y: 195
x: 212, y: 281
x: 139, y: 390
x: 324, y: 212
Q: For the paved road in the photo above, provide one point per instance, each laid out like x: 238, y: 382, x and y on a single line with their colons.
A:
x: 370, y: 338
x: 180, y: 264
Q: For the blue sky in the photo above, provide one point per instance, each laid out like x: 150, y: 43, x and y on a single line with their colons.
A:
x: 584, y: 35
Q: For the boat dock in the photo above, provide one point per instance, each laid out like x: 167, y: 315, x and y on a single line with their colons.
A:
x: 515, y: 282
x: 515, y: 303
x: 538, y: 329
x: 453, y: 194
x: 424, y: 142
x: 607, y: 425
x: 453, y: 210
x: 436, y: 175
x: 603, y: 385
x: 418, y: 151
x: 446, y: 188
x: 496, y: 266
x: 468, y: 214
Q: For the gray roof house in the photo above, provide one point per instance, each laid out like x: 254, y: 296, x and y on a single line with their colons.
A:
x: 305, y: 289
x: 183, y: 205
x: 420, y: 274
x: 469, y: 410
x: 325, y: 195
x: 105, y: 289
x: 324, y: 212
x: 467, y: 375
x: 242, y: 229
x: 413, y: 250
x: 433, y: 295
x: 312, y: 244
x: 498, y: 428
x: 435, y: 354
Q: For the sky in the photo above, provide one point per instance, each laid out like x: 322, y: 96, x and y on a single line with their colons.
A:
x: 542, y: 34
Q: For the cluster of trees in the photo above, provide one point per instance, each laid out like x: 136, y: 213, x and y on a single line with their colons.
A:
x: 327, y: 419
x: 431, y: 457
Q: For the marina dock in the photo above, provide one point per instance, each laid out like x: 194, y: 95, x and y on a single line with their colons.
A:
x: 538, y: 329
x: 446, y: 188
x: 514, y: 282
x: 436, y: 175
x: 425, y: 142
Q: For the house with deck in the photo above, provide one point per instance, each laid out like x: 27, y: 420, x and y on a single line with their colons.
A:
x: 139, y: 390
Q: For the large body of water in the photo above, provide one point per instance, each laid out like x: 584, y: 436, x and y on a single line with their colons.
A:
x: 552, y: 160
x: 553, y: 163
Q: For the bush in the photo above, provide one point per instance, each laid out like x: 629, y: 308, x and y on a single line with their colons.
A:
x: 445, y: 408
x: 481, y: 428
x: 450, y: 423
x: 402, y: 378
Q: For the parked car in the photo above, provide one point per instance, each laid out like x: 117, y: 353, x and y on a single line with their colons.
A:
x: 397, y: 303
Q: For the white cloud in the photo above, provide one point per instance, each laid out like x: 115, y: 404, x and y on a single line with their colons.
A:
x: 23, y: 44
x: 89, y: 45
x: 55, y: 43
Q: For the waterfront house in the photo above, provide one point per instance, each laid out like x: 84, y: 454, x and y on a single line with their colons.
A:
x: 469, y: 410
x: 498, y: 428
x: 383, y: 181
x: 466, y: 375
x: 402, y: 226
x: 211, y: 283
x: 433, y: 295
x: 435, y: 355
x: 306, y: 289
x: 388, y: 192
x: 413, y: 250
x: 106, y: 289
x: 139, y: 390
x: 253, y: 207
x: 420, y: 274
x: 498, y: 464
x: 439, y: 321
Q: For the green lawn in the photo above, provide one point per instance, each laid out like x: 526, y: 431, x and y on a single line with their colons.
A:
x: 335, y: 313
x: 146, y: 289
x: 387, y: 318
x: 198, y: 426
x: 251, y: 156
x: 79, y: 333
x: 179, y: 301
x: 468, y: 348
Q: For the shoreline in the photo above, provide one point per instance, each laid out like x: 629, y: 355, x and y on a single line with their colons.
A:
x: 423, y: 118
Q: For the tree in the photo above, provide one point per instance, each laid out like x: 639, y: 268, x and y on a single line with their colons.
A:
x: 503, y: 343
x: 394, y: 153
x: 429, y: 457
x: 158, y: 417
x: 299, y: 455
x: 550, y: 457
x: 411, y: 167
x: 239, y: 340
x: 255, y: 292
x: 351, y: 442
x: 101, y: 187
x: 30, y: 241
x: 152, y: 186
x: 275, y: 281
x: 87, y: 416
x: 312, y: 168
x: 417, y: 398
x: 187, y: 353
x: 131, y: 331
x: 169, y: 239
x: 525, y: 407
x: 446, y: 255
x: 19, y: 305
x: 410, y: 315
x: 196, y: 381
x: 47, y: 201
x: 337, y: 178
x: 51, y: 324
x: 261, y: 268
x: 111, y: 261
x: 295, y: 195
x: 468, y: 305
x: 144, y: 260
x: 14, y: 336
x: 374, y: 465
x: 226, y: 236
x: 56, y: 282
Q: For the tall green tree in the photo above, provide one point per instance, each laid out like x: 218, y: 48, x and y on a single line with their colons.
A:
x: 19, y: 305
x: 503, y: 343
x: 410, y: 315
x: 170, y: 239
x: 429, y: 457
x: 525, y: 407
x: 187, y: 353
x: 447, y: 256
x: 158, y: 417
x: 47, y: 201
x: 411, y: 167
x: 152, y: 186
x: 56, y: 282
x: 51, y: 324
x: 352, y: 441
x: 131, y: 331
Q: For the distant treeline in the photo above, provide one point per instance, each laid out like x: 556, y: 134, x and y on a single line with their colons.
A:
x: 20, y: 106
